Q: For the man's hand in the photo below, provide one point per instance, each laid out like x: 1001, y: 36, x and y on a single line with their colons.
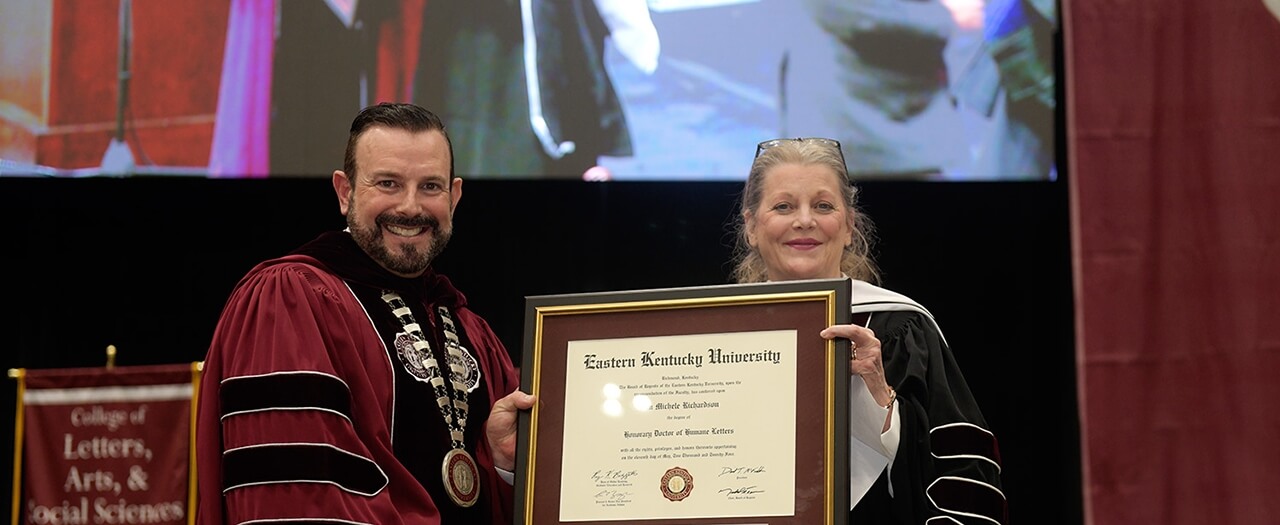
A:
x: 500, y: 429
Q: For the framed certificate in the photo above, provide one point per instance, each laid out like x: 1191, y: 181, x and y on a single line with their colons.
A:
x: 707, y: 405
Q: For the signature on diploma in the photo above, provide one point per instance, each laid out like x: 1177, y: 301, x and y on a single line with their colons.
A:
x: 612, y: 495
x: 741, y: 470
x: 623, y: 475
x: 751, y: 489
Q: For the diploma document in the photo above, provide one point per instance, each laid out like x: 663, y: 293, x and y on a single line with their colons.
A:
x: 715, y: 405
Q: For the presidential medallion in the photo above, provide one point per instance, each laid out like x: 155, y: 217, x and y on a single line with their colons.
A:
x: 461, y: 477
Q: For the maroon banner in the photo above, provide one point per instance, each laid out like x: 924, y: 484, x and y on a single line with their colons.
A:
x: 107, y: 446
x: 1175, y: 181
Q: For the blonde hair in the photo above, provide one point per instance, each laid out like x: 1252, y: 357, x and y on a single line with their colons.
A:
x: 855, y: 262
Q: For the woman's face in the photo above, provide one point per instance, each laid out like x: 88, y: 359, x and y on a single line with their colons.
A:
x: 802, y: 225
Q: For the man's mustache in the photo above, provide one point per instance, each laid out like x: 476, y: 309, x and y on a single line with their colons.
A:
x: 408, y: 222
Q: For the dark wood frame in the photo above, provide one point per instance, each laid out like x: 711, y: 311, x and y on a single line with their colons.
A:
x: 551, y: 321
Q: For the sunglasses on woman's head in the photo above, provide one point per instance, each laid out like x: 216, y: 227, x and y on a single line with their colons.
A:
x: 771, y: 143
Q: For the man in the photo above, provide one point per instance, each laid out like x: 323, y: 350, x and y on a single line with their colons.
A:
x: 348, y: 382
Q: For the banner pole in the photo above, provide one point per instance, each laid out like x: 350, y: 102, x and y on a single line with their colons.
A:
x: 19, y: 374
x: 197, y: 369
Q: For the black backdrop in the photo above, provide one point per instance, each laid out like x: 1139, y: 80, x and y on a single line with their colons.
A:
x: 145, y: 264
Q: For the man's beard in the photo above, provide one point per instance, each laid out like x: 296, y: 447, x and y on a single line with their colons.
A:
x: 407, y: 260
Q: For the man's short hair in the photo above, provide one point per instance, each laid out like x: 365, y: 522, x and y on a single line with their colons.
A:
x: 395, y: 115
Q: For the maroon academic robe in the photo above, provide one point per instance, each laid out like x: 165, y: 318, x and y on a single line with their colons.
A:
x: 298, y: 406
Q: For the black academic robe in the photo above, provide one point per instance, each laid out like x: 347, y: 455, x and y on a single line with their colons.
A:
x: 947, y: 462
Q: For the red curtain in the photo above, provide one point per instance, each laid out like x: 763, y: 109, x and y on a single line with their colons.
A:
x: 1174, y: 142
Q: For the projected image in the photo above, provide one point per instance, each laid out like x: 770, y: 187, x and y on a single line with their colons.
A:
x: 582, y: 89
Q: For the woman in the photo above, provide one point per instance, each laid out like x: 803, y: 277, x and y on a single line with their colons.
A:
x: 919, y: 445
